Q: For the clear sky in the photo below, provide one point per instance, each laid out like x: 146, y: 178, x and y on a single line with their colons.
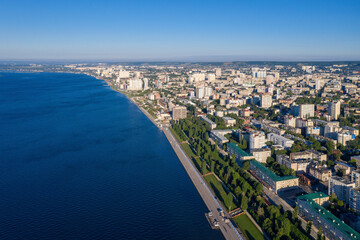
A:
x: 180, y: 30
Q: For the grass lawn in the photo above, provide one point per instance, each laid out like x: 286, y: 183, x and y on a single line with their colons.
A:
x: 248, y: 228
x: 220, y: 191
x: 188, y: 150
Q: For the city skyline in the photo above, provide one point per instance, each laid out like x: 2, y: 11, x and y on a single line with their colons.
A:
x: 180, y: 31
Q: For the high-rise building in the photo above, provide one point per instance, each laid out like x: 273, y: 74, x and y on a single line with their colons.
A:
x: 334, y: 109
x: 341, y: 187
x: 179, y: 113
x: 269, y: 79
x: 211, y: 77
x: 266, y: 101
x: 135, y: 84
x: 146, y: 83
x: 218, y: 72
x: 303, y: 110
x: 257, y: 140
x: 200, y: 92
x: 207, y: 91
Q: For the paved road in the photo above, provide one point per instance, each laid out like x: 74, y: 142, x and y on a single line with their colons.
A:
x: 227, y: 229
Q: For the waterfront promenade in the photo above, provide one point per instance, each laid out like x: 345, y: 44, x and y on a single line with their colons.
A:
x: 227, y: 229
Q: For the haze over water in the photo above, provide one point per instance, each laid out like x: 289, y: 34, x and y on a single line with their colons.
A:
x: 80, y: 161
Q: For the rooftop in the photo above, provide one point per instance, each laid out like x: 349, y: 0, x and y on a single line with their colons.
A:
x: 239, y: 150
x: 312, y: 196
x: 329, y: 217
x: 270, y: 173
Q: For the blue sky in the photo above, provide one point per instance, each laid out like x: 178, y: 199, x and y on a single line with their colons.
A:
x: 180, y: 30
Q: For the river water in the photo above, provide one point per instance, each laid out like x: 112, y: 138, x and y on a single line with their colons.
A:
x: 80, y: 161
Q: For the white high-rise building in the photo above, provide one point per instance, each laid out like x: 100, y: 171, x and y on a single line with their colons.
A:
x: 146, y: 83
x: 303, y: 110
x: 200, y: 92
x: 211, y: 77
x: 197, y: 77
x: 135, y: 84
x: 256, y: 73
x: 123, y: 74
x: 218, y: 72
x: 207, y: 91
x: 334, y: 110
x: 266, y: 101
x: 257, y: 140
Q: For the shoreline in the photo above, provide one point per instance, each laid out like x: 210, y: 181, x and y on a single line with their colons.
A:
x: 196, y: 178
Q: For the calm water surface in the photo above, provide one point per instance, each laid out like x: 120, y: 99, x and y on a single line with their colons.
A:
x: 80, y: 161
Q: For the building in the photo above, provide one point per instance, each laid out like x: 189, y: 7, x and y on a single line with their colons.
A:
x: 265, y: 101
x: 229, y: 121
x: 344, y: 136
x: 270, y: 179
x: 333, y: 228
x: 207, y: 91
x: 219, y: 136
x: 256, y: 140
x: 280, y: 140
x: 289, y: 120
x: 218, y: 72
x: 146, y: 83
x: 211, y: 123
x: 261, y: 154
x: 341, y: 186
x: 334, y: 109
x: 320, y: 172
x: 200, y: 92
x: 179, y: 113
x: 135, y: 84
x: 312, y: 130
x: 357, y: 159
x: 303, y: 110
x: 341, y: 166
x: 239, y: 154
x: 355, y: 178
x: 354, y: 201
x: 298, y: 165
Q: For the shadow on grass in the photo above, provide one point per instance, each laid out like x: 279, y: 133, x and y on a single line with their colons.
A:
x: 248, y: 235
x: 217, y: 193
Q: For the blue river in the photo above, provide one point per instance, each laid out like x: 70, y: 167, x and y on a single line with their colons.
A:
x: 80, y: 161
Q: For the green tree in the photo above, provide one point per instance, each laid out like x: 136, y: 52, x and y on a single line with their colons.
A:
x: 330, y: 147
x: 203, y: 167
x: 212, y: 166
x: 296, y: 212
x: 308, y: 227
x: 244, y: 203
x: 320, y: 234
x: 286, y: 226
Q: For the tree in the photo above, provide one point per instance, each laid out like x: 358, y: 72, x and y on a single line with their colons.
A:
x: 212, y: 166
x: 296, y: 212
x: 233, y: 160
x: 246, y: 165
x: 330, y: 147
x: 229, y: 200
x: 320, y: 234
x: 316, y: 145
x: 286, y: 226
x: 203, y: 167
x: 333, y: 198
x: 244, y: 203
x: 308, y: 227
x: 340, y: 203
